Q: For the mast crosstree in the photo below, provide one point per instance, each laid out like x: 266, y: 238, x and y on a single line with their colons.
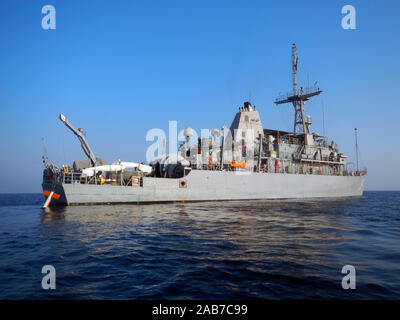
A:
x: 298, y: 99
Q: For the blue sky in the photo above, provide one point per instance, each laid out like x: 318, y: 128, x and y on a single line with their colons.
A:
x: 120, y: 68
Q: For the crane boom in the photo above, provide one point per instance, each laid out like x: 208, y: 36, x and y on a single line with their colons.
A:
x: 79, y: 133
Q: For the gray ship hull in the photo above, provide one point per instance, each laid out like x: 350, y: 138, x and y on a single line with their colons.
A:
x: 207, y: 185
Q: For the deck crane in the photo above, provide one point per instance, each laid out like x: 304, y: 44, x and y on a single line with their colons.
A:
x: 80, y: 134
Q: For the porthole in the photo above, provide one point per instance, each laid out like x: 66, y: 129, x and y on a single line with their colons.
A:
x: 182, y: 184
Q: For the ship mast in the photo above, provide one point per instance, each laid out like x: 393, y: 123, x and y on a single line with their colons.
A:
x: 355, y: 133
x: 301, y: 123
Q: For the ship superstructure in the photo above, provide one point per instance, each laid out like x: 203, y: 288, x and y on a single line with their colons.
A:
x: 245, y: 161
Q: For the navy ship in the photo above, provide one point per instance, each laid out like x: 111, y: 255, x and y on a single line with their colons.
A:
x: 244, y: 162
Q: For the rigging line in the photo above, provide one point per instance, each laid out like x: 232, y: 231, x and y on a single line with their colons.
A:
x: 285, y: 118
x: 359, y: 153
x: 59, y: 145
x: 361, y: 160
x: 44, y: 149
x: 323, y: 118
x: 63, y: 149
x: 289, y: 76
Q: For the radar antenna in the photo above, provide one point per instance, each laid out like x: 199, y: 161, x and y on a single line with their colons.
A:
x: 298, y: 99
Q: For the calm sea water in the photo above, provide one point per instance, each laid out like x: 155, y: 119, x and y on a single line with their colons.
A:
x: 210, y: 250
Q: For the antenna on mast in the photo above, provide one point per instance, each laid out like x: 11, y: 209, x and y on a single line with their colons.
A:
x: 355, y: 133
x: 298, y: 99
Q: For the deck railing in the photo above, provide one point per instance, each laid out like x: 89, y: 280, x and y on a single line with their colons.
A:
x: 285, y: 166
x: 77, y: 177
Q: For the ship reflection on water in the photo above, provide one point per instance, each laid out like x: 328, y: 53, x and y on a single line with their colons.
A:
x: 240, y: 249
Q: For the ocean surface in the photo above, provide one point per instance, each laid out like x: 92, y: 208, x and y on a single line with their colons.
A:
x: 210, y: 250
